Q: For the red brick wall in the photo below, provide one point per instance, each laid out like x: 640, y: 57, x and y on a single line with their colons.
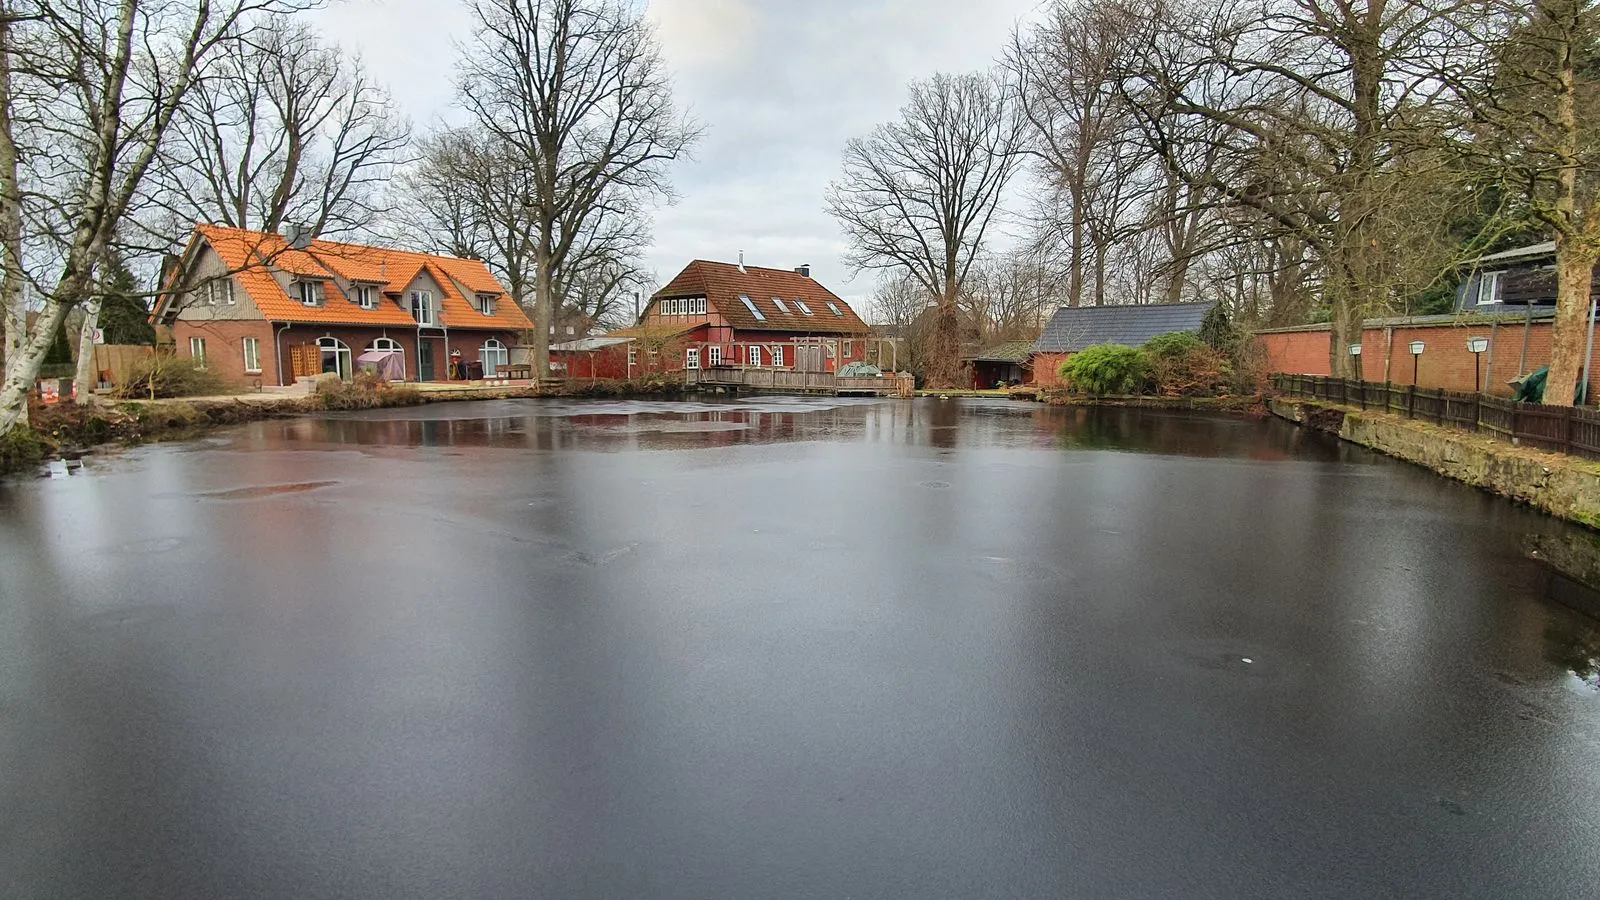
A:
x: 607, y: 362
x: 1445, y: 362
x: 225, y: 347
x: 1047, y: 368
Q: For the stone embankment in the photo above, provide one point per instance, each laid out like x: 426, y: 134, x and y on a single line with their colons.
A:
x: 1564, y: 486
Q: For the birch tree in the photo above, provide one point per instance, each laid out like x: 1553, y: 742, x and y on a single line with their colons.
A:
x: 918, y: 195
x: 94, y: 88
x: 577, y: 92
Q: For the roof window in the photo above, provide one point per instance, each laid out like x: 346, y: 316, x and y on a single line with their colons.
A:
x: 778, y: 302
x: 835, y: 307
x: 752, y: 307
x: 803, y: 307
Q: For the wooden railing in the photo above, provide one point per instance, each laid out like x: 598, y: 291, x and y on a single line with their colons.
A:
x: 791, y: 380
x: 1563, y: 429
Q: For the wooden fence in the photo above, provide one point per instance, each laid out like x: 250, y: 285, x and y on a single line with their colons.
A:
x: 1563, y: 429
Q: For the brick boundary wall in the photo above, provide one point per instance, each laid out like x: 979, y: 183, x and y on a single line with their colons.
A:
x: 1445, y: 361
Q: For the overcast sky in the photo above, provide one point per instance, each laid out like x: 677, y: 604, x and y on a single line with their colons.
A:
x: 779, y: 84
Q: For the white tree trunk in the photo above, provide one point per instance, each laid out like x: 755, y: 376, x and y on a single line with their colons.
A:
x: 86, y: 377
x: 21, y: 373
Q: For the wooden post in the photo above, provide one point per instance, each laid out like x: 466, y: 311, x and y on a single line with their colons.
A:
x: 1566, y: 428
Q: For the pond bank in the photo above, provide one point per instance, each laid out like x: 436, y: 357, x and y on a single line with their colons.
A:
x: 1564, y: 486
x: 69, y: 432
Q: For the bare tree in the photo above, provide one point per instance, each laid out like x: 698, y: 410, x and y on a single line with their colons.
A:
x: 1010, y: 295
x: 577, y: 92
x: 1535, y: 101
x: 95, y: 87
x: 281, y: 129
x: 1080, y: 133
x: 1310, y: 107
x: 468, y: 195
x: 918, y: 195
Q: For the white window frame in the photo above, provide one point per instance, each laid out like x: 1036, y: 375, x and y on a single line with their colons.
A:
x: 752, y: 355
x: 493, y: 348
x: 782, y: 307
x: 777, y: 356
x: 485, y: 303
x: 691, y: 358
x: 1489, y: 283
x: 847, y: 349
x: 313, y: 289
x: 699, y: 306
x: 366, y: 296
x: 227, y: 292
x: 344, y: 362
x: 390, y: 345
x: 714, y: 355
x: 835, y: 307
x: 633, y: 355
x: 422, y: 309
x: 804, y: 309
x: 197, y: 351
x: 251, y: 348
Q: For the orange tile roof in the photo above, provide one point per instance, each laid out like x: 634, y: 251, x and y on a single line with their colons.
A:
x: 722, y: 284
x: 252, y: 255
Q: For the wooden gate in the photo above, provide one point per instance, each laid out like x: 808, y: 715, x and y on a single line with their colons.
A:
x: 306, y: 360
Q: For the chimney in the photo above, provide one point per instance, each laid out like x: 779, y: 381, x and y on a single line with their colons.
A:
x: 741, y: 260
x: 804, y: 271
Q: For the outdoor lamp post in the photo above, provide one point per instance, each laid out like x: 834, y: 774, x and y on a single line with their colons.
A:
x: 1477, y: 346
x: 1416, y: 357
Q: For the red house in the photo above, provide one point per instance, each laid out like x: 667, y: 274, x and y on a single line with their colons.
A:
x: 256, y: 306
x: 717, y: 314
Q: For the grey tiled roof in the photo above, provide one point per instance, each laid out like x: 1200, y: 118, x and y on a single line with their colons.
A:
x: 1005, y: 351
x: 1073, y: 328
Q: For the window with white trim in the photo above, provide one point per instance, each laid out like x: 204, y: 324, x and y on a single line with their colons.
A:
x: 197, y: 351
x: 753, y: 355
x: 219, y: 290
x: 777, y: 354
x: 804, y: 308
x: 335, y: 357
x: 485, y: 303
x: 699, y: 306
x: 833, y: 306
x: 310, y: 292
x: 252, y: 356
x: 748, y: 304
x: 365, y: 296
x: 714, y: 355
x: 1489, y: 288
x: 390, y: 346
x: 782, y: 307
x: 494, y: 357
x: 423, y: 310
x: 633, y: 355
x: 847, y: 349
x: 691, y: 358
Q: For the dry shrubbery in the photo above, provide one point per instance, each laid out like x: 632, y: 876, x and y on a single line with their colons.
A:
x: 166, y: 375
x: 365, y: 391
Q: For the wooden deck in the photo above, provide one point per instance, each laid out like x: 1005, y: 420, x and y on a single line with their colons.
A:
x: 788, y: 381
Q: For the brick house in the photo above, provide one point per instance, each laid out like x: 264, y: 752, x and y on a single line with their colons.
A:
x: 716, y: 314
x: 1074, y: 328
x: 252, y: 306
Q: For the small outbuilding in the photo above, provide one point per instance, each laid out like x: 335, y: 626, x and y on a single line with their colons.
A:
x: 1074, y: 328
x: 1005, y: 363
x: 594, y: 357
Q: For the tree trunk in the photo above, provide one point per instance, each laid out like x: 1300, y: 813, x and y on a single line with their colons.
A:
x: 543, y: 309
x: 20, y: 374
x: 1575, y: 272
x: 86, y: 377
x: 13, y: 316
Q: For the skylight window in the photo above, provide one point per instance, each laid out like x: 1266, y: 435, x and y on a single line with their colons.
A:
x: 778, y: 302
x: 835, y: 307
x: 752, y: 307
x: 804, y: 308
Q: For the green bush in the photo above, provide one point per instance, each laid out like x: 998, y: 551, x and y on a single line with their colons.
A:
x: 20, y: 448
x: 1107, y: 369
x: 1173, y: 345
x: 166, y: 375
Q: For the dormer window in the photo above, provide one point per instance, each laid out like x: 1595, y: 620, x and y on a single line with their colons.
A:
x: 365, y: 296
x: 485, y: 303
x: 309, y: 292
x: 423, y: 310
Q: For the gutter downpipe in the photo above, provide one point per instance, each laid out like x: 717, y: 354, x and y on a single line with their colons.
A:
x: 277, y: 350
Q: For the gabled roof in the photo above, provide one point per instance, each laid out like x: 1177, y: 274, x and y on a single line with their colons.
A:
x: 722, y: 284
x: 252, y: 256
x: 1005, y: 351
x: 1073, y: 328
